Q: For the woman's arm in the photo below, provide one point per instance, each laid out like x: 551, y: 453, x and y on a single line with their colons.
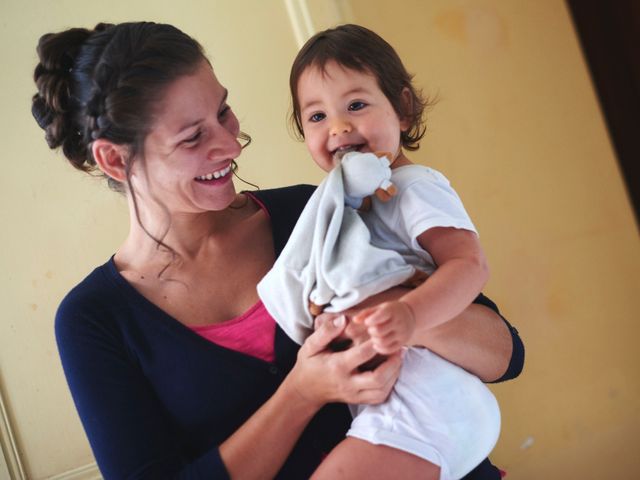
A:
x: 479, y: 339
x: 319, y: 377
x: 132, y: 434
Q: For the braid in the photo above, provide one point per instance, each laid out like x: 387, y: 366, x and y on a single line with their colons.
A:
x: 105, y: 84
x: 101, y: 73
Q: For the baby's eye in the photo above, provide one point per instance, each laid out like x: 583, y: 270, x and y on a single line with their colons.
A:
x: 355, y: 106
x: 317, y: 117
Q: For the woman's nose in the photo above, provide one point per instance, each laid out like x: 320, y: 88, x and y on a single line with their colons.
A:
x: 339, y: 126
x: 224, y: 144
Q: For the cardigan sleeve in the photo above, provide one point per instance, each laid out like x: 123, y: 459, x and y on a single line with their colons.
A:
x: 516, y: 363
x: 123, y: 419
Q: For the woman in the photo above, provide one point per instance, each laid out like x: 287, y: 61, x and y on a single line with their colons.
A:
x: 175, y: 367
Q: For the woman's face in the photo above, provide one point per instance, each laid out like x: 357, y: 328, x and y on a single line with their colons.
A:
x: 189, y: 150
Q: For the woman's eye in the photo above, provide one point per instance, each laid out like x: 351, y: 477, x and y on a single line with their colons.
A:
x: 194, y: 138
x: 354, y: 106
x: 225, y: 110
x: 316, y: 117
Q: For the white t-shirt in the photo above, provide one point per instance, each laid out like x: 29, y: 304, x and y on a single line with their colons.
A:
x: 424, y: 200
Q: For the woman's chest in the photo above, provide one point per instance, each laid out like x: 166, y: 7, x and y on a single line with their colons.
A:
x: 216, y: 286
x: 217, y: 292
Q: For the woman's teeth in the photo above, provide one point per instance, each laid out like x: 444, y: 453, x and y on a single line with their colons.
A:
x: 216, y: 174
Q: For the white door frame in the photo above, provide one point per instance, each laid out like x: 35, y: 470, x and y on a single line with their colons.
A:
x: 10, y: 463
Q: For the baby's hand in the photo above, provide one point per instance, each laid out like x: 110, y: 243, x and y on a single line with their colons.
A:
x: 390, y: 325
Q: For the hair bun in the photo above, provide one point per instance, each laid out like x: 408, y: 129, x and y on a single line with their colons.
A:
x: 52, y: 105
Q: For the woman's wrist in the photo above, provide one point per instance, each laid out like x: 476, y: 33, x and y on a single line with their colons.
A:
x: 276, y: 426
x: 298, y: 398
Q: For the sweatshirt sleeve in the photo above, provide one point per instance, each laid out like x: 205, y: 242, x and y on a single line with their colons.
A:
x: 123, y: 419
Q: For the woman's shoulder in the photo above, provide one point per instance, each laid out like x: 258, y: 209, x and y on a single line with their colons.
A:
x: 283, y: 206
x: 294, y: 195
x: 89, y: 300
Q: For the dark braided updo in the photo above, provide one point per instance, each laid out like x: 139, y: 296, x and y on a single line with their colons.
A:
x: 105, y: 82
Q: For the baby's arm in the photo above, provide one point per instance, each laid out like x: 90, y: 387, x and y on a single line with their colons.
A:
x: 462, y: 272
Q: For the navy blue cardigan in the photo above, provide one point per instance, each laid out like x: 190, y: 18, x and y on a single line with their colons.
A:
x: 156, y: 399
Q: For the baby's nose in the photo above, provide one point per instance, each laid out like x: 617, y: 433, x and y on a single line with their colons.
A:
x: 339, y: 126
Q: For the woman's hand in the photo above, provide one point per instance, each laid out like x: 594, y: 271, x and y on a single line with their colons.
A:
x: 322, y: 376
x: 319, y: 376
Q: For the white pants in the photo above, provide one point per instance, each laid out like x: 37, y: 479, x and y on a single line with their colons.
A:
x: 436, y: 411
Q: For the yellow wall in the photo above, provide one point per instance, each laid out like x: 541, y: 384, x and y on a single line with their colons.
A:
x: 520, y: 135
x: 518, y: 132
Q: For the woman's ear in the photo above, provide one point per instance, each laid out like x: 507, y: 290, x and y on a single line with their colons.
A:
x: 407, y: 107
x: 110, y: 158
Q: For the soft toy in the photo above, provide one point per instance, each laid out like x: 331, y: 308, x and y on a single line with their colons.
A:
x: 329, y: 261
x: 366, y: 174
x: 363, y: 175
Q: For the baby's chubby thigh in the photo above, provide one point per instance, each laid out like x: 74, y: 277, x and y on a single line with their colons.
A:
x: 437, y: 411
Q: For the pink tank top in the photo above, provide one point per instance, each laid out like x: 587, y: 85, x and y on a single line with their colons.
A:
x: 252, y: 333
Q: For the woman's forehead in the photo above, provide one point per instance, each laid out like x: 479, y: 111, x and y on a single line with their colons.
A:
x: 190, y: 97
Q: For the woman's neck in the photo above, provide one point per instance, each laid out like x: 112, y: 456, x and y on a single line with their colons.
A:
x: 160, y: 236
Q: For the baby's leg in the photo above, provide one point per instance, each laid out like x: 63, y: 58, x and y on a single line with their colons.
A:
x: 358, y: 459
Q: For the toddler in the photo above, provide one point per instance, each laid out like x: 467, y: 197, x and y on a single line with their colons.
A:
x: 351, y: 94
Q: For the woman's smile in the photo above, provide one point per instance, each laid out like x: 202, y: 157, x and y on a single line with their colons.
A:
x: 221, y: 175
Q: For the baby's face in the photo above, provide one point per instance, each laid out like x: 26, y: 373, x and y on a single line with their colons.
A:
x: 345, y: 110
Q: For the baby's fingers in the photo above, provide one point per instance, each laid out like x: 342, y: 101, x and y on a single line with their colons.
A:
x: 387, y: 345
x: 362, y: 315
x: 382, y: 329
x: 374, y: 316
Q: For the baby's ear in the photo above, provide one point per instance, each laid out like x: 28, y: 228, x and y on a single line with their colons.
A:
x: 407, y: 107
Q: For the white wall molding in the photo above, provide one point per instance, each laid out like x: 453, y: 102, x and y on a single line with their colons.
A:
x: 10, y: 463
x: 86, y: 472
x: 307, y: 17
x: 300, y: 19
x: 11, y: 467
